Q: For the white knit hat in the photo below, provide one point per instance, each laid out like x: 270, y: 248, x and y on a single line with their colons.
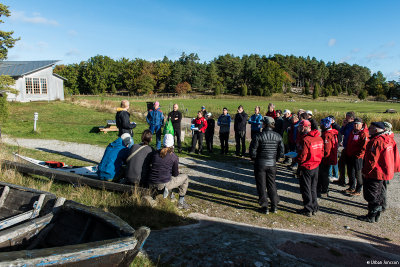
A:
x: 168, y: 140
x: 309, y: 112
x: 126, y: 139
x: 286, y: 111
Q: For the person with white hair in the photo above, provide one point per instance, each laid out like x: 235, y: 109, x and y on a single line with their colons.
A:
x: 164, y: 175
x: 114, y: 156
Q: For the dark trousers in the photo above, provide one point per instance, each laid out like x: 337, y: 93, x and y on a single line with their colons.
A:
x: 265, y: 182
x: 342, y: 167
x: 197, y: 137
x: 375, y: 194
x: 308, y: 188
x: 224, y: 137
x: 240, y: 137
x: 253, y: 133
x: 209, y: 141
x: 177, y: 133
x: 354, y: 167
x: 323, y: 178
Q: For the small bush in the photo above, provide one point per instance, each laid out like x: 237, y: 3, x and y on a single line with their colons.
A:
x: 244, y: 90
x: 3, y: 108
x: 183, y: 88
x: 363, y: 94
x: 380, y: 98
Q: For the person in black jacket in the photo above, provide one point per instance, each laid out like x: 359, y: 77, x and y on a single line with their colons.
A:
x: 279, y: 122
x: 122, y: 119
x: 265, y: 149
x: 240, y: 130
x: 209, y: 134
x: 176, y: 117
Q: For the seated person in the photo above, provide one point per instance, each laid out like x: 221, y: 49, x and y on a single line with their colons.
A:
x: 164, y: 173
x: 115, y: 155
x: 139, y: 160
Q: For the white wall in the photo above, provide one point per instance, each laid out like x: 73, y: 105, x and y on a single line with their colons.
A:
x: 55, y: 87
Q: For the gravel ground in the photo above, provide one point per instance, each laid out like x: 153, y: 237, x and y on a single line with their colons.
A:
x: 226, y: 190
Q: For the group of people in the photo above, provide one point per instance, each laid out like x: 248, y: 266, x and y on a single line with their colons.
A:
x: 369, y: 154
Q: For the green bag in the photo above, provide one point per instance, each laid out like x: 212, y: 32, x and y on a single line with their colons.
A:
x: 169, y: 129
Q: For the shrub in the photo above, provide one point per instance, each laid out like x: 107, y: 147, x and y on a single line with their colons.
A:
x: 307, y: 89
x: 3, y: 108
x: 363, y: 94
x: 315, y: 94
x: 183, y: 88
x: 380, y: 98
x: 244, y: 90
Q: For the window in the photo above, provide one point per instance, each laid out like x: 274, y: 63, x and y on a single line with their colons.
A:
x: 28, y: 85
x: 43, y: 85
x: 36, y: 86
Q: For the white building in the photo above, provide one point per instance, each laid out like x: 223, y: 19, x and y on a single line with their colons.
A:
x: 34, y: 80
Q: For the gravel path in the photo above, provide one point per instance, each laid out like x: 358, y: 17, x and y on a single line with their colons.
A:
x: 226, y: 190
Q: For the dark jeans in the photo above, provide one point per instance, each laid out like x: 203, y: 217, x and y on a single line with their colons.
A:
x: 253, y: 133
x: 177, y: 133
x: 197, y: 137
x: 308, y: 188
x: 354, y: 167
x: 375, y: 194
x: 265, y: 182
x: 224, y: 137
x: 342, y: 167
x: 334, y: 171
x: 240, y: 137
x: 323, y: 178
x: 158, y: 138
x: 209, y: 141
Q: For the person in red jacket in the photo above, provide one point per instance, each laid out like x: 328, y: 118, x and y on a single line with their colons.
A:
x: 355, y: 150
x: 199, y: 126
x: 271, y: 111
x: 310, y: 153
x: 381, y: 161
x: 330, y: 138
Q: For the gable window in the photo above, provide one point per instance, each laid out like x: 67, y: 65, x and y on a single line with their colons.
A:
x: 28, y: 85
x: 36, y: 86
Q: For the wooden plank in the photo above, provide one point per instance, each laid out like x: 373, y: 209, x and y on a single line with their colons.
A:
x: 67, y: 177
x: 4, y: 195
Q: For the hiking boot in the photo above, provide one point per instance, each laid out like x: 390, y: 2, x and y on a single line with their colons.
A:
x: 263, y: 210
x: 173, y: 198
x: 304, y: 212
x: 367, y: 218
x: 355, y: 193
x: 183, y: 205
x: 274, y: 210
x: 349, y: 190
x: 314, y: 212
x: 378, y: 216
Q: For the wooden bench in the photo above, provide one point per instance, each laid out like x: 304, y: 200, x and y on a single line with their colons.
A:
x: 110, y: 127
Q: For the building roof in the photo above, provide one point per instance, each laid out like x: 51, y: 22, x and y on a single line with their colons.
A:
x: 19, y: 68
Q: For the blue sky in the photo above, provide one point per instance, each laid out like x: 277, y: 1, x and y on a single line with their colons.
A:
x: 357, y: 32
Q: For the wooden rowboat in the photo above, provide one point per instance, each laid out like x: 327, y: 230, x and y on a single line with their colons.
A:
x: 71, y: 235
x: 63, y: 175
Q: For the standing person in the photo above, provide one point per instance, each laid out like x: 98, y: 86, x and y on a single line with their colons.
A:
x: 139, y: 160
x: 224, y: 122
x: 209, y: 134
x: 240, y: 130
x: 329, y: 136
x: 265, y: 149
x: 333, y: 169
x: 355, y: 150
x: 314, y: 124
x: 164, y: 174
x: 345, y: 130
x: 279, y: 123
x: 199, y: 128
x: 381, y: 161
x: 287, y: 121
x: 271, y: 111
x: 176, y: 117
x: 310, y: 153
x: 256, y: 122
x: 203, y: 109
x: 155, y: 119
x: 122, y: 119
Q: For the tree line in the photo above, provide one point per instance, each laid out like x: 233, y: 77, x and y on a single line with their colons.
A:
x: 226, y: 74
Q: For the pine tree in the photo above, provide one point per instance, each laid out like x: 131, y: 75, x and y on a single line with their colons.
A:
x: 315, y: 94
x: 244, y: 90
x: 307, y: 89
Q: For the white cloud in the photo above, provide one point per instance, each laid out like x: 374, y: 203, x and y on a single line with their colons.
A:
x: 394, y: 75
x: 72, y: 33
x: 345, y: 59
x: 355, y: 50
x: 374, y: 56
x: 72, y: 52
x: 332, y: 42
x: 36, y: 18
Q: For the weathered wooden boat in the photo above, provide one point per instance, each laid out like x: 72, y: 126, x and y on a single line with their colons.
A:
x: 71, y: 235
x: 19, y: 204
x: 30, y: 167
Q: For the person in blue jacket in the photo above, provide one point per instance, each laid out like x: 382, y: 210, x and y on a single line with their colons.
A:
x: 345, y: 130
x: 115, y: 155
x: 224, y: 123
x: 155, y: 119
x: 256, y: 122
